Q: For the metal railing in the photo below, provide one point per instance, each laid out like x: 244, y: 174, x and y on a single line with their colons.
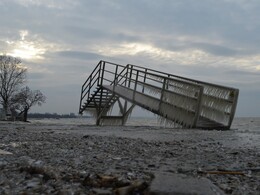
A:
x: 196, y: 98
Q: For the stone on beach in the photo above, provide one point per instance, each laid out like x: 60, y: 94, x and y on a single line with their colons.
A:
x: 179, y: 184
x: 2, y: 152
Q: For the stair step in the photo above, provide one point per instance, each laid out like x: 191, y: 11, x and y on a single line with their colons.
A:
x: 97, y: 101
x: 98, y: 105
x: 107, y: 98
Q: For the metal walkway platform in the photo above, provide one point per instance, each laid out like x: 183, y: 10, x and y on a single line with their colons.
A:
x: 176, y: 100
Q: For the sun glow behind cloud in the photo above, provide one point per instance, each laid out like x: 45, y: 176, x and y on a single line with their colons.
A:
x: 25, y: 49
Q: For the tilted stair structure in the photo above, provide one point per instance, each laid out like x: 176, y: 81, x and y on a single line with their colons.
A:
x: 176, y: 100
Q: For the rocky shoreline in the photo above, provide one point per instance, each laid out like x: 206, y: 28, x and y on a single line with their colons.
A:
x: 76, y: 159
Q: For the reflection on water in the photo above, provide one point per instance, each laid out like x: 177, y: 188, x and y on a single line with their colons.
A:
x: 247, y: 124
x: 247, y: 131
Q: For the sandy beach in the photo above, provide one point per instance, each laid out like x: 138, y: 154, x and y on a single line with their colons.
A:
x: 77, y: 157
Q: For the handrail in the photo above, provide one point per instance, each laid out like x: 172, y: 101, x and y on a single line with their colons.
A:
x: 168, y: 78
x: 95, y: 77
x: 92, y: 72
x: 114, y: 82
x: 184, y: 78
x: 87, y: 84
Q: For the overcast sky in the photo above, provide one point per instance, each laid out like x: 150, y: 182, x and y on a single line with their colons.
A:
x: 61, y: 41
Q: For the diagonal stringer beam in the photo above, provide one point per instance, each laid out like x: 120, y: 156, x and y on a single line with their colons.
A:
x: 124, y: 111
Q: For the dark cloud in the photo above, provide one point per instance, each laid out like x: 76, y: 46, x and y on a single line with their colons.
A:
x: 85, y: 34
x: 217, y: 49
x: 243, y: 73
x: 80, y: 55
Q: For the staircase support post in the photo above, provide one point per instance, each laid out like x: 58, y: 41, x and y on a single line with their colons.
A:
x: 144, y: 79
x: 233, y: 109
x: 130, y: 77
x: 101, y: 94
x: 136, y: 79
x: 99, y: 72
x: 162, y: 92
x: 198, y: 107
x: 126, y: 114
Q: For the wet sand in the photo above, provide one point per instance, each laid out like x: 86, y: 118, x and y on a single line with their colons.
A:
x: 61, y: 157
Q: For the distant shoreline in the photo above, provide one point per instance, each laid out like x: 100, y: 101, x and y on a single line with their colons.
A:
x: 54, y: 116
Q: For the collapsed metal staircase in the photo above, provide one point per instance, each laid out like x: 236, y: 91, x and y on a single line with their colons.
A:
x: 186, y: 102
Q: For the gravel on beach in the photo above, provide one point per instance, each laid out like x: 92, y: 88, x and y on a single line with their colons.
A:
x: 40, y: 158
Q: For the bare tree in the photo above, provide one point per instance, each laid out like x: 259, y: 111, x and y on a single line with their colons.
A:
x: 27, y: 98
x: 12, y: 77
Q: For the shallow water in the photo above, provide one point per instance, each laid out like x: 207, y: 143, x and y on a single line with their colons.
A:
x: 244, y: 133
x: 241, y: 124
